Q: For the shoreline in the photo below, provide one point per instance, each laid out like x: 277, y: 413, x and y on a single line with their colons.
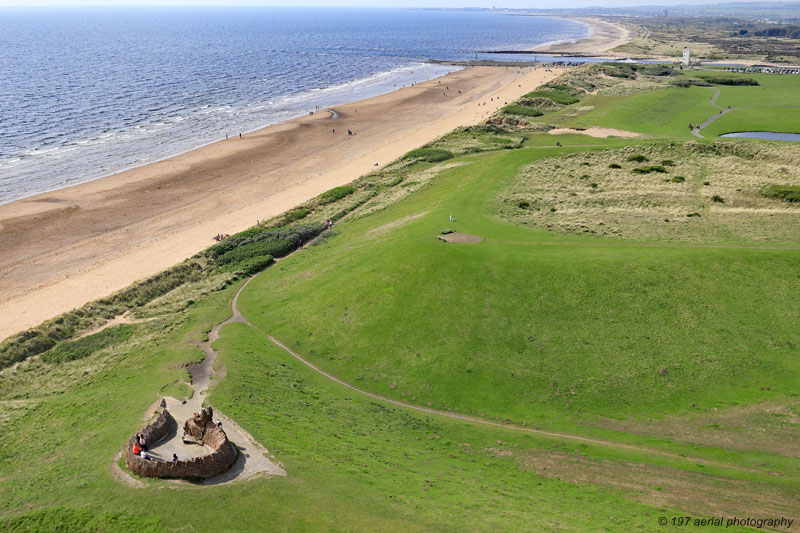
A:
x: 604, y: 37
x: 586, y: 42
x: 67, y: 247
x: 377, y: 90
x: 81, y: 242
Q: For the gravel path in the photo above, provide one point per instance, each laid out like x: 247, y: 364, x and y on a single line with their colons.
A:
x: 713, y: 103
x: 253, y: 458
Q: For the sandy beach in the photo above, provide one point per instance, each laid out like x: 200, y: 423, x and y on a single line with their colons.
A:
x: 605, y: 37
x: 62, y: 249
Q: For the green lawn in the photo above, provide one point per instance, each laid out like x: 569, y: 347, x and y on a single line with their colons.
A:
x: 774, y: 90
x: 661, y: 113
x: 785, y: 120
x: 530, y: 326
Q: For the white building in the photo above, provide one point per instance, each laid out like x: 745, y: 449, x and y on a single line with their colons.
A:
x: 686, y: 56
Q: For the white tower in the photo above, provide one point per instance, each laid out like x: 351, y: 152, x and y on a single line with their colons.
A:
x: 686, y: 56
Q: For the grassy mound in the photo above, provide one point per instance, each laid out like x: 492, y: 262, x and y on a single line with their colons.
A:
x: 430, y: 155
x: 644, y: 202
x: 521, y: 110
x: 559, y: 97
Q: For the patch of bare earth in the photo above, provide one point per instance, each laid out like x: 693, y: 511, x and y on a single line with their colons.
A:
x: 763, y: 427
x: 463, y: 238
x: 601, y: 133
x: 661, y: 486
x: 395, y: 223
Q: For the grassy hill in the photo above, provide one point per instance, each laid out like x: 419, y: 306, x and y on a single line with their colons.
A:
x: 610, y: 368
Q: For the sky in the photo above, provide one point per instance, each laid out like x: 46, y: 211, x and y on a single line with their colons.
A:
x: 359, y: 3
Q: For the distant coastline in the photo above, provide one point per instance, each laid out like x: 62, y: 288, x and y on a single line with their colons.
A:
x: 603, y: 38
x: 56, y: 138
x: 82, y: 242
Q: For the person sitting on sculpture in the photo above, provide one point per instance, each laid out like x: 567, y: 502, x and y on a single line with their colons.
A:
x: 136, y: 449
x: 174, y: 457
x: 145, y: 456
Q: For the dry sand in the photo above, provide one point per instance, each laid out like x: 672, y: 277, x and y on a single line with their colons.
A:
x: 605, y: 37
x: 62, y: 249
x: 595, y: 132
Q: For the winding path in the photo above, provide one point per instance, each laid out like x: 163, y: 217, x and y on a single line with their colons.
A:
x: 252, y: 458
x: 238, y: 317
x: 713, y: 103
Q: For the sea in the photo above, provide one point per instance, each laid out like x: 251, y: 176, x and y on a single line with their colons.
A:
x: 86, y: 93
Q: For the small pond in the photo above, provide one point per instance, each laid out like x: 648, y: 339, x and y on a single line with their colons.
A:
x: 768, y: 135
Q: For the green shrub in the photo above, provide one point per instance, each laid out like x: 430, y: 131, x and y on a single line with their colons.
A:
x: 657, y: 70
x: 241, y: 252
x: 787, y: 193
x: 521, y: 110
x: 558, y: 97
x: 677, y: 179
x: 523, y: 204
x: 693, y: 215
x: 649, y: 169
x: 725, y: 80
x: 718, y: 199
x: 335, y: 194
x: 638, y: 158
x: 78, y: 349
x: 563, y: 88
x: 296, y: 214
x: 668, y: 163
x: 685, y: 83
x: 618, y: 70
x: 614, y: 165
x: 324, y: 236
x: 430, y: 155
x: 254, y: 265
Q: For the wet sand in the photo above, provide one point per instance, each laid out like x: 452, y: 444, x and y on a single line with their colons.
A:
x: 62, y: 249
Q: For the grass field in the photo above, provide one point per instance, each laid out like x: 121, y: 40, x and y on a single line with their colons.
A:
x: 633, y: 368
